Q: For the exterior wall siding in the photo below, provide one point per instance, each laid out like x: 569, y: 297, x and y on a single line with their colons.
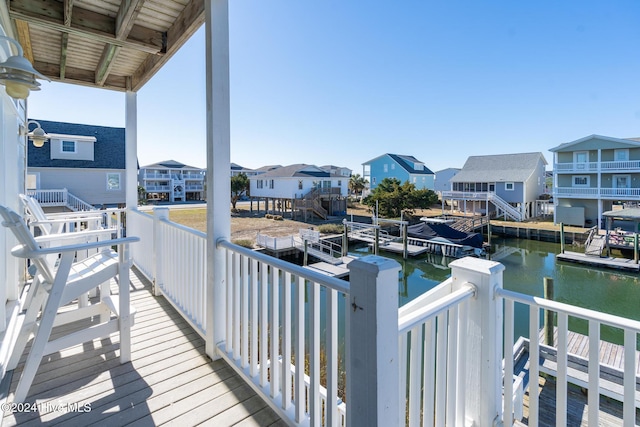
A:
x: 378, y: 173
x: 89, y: 185
x: 288, y: 188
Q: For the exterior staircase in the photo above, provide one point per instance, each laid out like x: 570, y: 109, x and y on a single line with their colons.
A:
x: 311, y: 203
x: 595, y: 243
x: 502, y: 204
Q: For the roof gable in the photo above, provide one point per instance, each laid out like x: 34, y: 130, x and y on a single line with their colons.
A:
x: 297, y: 170
x: 109, y: 147
x: 594, y: 142
x: 516, y: 167
x: 406, y: 162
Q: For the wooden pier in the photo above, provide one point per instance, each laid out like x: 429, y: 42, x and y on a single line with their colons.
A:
x: 596, y: 261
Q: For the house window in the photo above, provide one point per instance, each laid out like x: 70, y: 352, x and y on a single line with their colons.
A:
x: 414, y: 179
x: 271, y: 184
x: 393, y: 166
x: 113, y: 181
x: 259, y: 183
x: 373, y: 180
x: 492, y: 187
x: 581, y: 181
x: 386, y: 167
x: 299, y: 184
x: 621, y: 155
x: 68, y: 146
x: 508, y: 186
x: 339, y: 183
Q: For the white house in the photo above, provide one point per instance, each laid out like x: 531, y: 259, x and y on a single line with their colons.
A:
x: 172, y: 181
x: 308, y: 183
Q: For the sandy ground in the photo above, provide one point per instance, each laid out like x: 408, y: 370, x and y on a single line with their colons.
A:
x: 245, y: 225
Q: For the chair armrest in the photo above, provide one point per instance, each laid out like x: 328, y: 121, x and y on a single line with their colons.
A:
x: 21, y: 251
x: 83, y: 214
x: 61, y: 237
x: 65, y: 220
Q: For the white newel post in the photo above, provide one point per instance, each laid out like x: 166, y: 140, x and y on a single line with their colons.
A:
x: 159, y: 214
x: 218, y: 167
x: 373, y: 368
x: 483, y: 364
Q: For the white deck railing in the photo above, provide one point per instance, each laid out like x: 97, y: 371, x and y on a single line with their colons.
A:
x: 562, y: 372
x: 445, y: 368
x: 593, y: 191
x: 274, y: 310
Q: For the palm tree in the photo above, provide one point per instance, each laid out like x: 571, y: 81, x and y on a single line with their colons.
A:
x: 357, y: 183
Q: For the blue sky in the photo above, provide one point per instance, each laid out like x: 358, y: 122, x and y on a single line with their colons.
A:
x: 341, y: 82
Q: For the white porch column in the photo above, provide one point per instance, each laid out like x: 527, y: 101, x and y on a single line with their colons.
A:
x: 484, y: 345
x: 131, y: 150
x: 218, y: 166
x: 554, y: 187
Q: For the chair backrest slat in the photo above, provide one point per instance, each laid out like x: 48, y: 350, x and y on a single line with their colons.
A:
x: 18, y: 227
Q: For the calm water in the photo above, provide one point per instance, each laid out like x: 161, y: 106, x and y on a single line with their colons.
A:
x: 527, y: 262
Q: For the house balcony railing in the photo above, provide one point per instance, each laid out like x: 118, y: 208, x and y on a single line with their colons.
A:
x: 194, y: 187
x: 592, y: 167
x: 155, y: 188
x: 155, y: 175
x: 445, y: 366
x: 592, y: 192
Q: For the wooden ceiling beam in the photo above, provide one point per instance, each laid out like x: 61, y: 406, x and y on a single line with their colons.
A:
x: 191, y: 18
x: 124, y: 23
x: 64, y: 43
x: 84, y: 23
x: 22, y: 30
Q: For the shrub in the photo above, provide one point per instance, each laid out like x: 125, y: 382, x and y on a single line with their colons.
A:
x: 247, y: 243
x: 331, y: 228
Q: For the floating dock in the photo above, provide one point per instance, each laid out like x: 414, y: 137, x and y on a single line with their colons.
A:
x: 334, y: 270
x: 596, y: 261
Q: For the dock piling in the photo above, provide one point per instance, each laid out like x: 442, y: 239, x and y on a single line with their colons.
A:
x: 561, y: 237
x: 548, y: 314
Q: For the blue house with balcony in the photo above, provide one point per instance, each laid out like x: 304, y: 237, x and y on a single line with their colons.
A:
x: 402, y: 167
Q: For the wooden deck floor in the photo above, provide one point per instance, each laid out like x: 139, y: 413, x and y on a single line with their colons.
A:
x: 169, y: 381
x: 577, y: 408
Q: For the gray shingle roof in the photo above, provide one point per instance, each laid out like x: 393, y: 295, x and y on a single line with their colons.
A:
x: 109, y: 148
x: 170, y: 164
x: 501, y: 167
x: 296, y: 170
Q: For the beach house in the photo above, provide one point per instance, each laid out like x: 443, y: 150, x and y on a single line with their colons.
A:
x: 172, y: 181
x: 501, y: 185
x: 593, y: 174
x: 401, y: 167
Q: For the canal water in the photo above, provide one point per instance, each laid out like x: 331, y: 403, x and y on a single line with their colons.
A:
x: 527, y: 262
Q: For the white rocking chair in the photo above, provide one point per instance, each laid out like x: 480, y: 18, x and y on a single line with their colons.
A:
x: 55, y: 286
x: 62, y: 222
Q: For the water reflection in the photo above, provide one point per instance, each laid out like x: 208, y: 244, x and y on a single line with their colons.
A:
x: 527, y: 262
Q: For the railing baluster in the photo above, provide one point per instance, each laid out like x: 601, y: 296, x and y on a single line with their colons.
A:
x: 461, y: 363
x: 331, y: 410
x: 441, y: 363
x: 235, y: 290
x: 534, y: 369
x: 561, y: 386
x: 315, y: 409
x: 275, y: 334
x: 508, y: 363
x: 452, y: 365
x: 229, y: 280
x: 245, y: 311
x: 286, y: 341
x: 429, y: 374
x: 630, y: 368
x: 402, y: 396
x: 264, y: 310
x: 299, y: 383
x: 254, y: 318
x: 594, y: 373
x: 414, y: 380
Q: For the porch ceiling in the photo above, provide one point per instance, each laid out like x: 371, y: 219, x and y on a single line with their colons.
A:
x: 112, y: 44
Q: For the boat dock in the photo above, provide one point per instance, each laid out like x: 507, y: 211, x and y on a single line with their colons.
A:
x: 596, y: 261
x: 334, y: 270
